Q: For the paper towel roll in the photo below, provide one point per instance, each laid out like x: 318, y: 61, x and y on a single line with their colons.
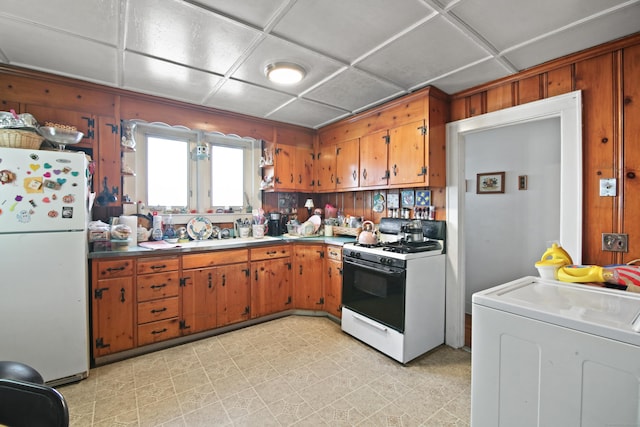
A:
x: 157, y: 221
x: 132, y: 223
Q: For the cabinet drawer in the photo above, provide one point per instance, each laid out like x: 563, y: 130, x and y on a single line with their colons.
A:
x: 269, y: 252
x: 158, y: 331
x: 214, y: 258
x: 157, y: 265
x: 115, y: 268
x: 151, y: 311
x: 334, y: 252
x: 159, y: 285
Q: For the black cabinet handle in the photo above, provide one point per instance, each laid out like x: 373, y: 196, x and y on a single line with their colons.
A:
x: 159, y: 332
x: 364, y: 173
x: 110, y: 269
x: 155, y: 267
x: 210, y: 282
x: 159, y: 310
x: 631, y: 175
x: 224, y: 279
x: 121, y: 294
x: 301, y: 269
x: 158, y: 286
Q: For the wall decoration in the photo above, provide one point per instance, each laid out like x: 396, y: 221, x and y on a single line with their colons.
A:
x: 378, y: 202
x: 491, y: 182
x: 522, y: 182
x: 393, y: 200
x: 423, y: 197
x: 408, y: 200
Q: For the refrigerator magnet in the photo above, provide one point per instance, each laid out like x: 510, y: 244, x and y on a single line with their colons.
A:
x: 6, y: 176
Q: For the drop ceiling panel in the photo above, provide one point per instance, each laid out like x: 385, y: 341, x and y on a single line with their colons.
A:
x: 185, y: 34
x: 246, y: 98
x: 307, y: 113
x: 505, y: 23
x: 53, y: 51
x: 418, y: 56
x: 95, y: 19
x: 157, y: 77
x: 591, y: 33
x: 351, y: 28
x: 255, y: 12
x: 273, y: 49
x: 484, y: 71
x: 353, y: 90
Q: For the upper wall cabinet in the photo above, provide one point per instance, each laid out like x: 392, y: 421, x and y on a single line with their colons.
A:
x: 400, y: 144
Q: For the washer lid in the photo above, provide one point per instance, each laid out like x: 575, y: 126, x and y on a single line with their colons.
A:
x: 600, y: 311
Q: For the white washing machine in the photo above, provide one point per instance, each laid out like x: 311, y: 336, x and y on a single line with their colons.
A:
x: 548, y: 353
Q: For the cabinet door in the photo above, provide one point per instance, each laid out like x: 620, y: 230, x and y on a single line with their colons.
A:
x: 285, y: 157
x: 407, y: 155
x: 307, y: 277
x: 270, y: 286
x: 112, y: 315
x: 233, y: 299
x: 333, y: 287
x: 199, y: 300
x: 325, y: 166
x: 304, y: 169
x: 373, y: 159
x: 347, y: 164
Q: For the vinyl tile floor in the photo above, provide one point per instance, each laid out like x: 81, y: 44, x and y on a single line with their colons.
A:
x: 296, y: 370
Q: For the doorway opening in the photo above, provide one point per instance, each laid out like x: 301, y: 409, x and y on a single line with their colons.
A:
x: 568, y: 109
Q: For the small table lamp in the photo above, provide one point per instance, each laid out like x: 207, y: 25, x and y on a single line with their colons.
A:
x: 309, y: 205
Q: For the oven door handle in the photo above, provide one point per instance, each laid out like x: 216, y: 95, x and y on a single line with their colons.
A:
x: 374, y: 269
x: 369, y: 322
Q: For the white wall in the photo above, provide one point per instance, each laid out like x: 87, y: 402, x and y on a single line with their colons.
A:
x: 507, y: 233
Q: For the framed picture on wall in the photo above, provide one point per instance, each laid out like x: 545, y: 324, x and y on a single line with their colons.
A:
x: 408, y: 200
x: 490, y: 182
x: 393, y: 200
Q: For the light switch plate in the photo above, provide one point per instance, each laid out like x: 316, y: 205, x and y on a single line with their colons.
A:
x: 608, y: 187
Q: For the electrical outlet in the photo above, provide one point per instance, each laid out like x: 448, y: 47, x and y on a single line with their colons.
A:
x: 615, y: 242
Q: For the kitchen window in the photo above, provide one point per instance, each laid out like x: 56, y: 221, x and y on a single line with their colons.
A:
x: 189, y: 170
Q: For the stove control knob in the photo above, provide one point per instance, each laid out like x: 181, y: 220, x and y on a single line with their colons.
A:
x: 354, y: 254
x: 386, y: 261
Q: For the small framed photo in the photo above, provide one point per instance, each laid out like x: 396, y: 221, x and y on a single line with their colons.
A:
x: 408, y: 198
x: 491, y: 182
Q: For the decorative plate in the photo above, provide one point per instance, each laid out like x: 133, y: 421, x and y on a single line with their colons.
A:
x: 199, y: 228
x: 378, y: 202
x: 423, y: 197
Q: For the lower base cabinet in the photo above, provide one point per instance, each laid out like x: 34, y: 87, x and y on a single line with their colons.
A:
x: 215, y: 289
x: 137, y: 301
x: 333, y: 281
x: 271, y: 289
x: 112, y: 306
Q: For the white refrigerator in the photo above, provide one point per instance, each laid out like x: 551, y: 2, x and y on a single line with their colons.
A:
x: 43, y: 262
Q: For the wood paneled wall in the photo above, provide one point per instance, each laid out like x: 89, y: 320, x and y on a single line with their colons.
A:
x: 609, y: 78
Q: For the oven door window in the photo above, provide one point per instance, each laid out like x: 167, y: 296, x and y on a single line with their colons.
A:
x: 374, y: 293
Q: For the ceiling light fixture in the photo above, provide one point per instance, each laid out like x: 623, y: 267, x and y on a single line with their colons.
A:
x: 285, y: 73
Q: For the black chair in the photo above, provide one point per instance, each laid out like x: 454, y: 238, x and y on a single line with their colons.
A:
x: 26, y: 401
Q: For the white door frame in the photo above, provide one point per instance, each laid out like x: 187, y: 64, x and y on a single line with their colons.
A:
x: 568, y: 108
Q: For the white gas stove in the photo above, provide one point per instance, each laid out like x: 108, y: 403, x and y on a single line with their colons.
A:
x: 393, y: 292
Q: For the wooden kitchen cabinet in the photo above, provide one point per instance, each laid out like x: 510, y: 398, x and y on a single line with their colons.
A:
x: 325, y: 168
x: 348, y: 164
x: 292, y: 167
x: 303, y: 168
x: 308, y: 292
x: 271, y: 288
x: 333, y: 280
x: 215, y: 289
x: 112, y: 306
x: 158, y: 305
x: 408, y: 159
x: 373, y: 159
